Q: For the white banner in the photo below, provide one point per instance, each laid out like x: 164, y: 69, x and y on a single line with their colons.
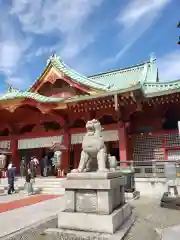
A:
x: 109, y: 136
x: 41, y: 142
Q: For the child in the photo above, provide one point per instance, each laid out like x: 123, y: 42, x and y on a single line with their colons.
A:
x: 29, y: 182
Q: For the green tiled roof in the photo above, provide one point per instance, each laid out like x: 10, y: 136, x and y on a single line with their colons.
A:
x: 127, y: 77
x: 148, y: 89
x: 143, y: 76
x: 14, y: 94
x: 161, y: 88
x: 62, y: 67
x: 110, y: 81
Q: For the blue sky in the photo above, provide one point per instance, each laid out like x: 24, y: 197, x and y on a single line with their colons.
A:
x: 91, y: 36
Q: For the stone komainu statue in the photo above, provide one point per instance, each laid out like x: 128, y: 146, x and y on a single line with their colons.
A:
x: 94, y: 154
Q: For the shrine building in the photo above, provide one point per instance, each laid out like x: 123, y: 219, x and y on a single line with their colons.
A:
x: 138, y: 112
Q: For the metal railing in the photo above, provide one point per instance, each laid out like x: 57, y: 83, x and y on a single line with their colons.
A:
x: 150, y: 169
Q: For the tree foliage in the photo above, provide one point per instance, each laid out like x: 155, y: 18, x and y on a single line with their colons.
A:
x: 178, y: 25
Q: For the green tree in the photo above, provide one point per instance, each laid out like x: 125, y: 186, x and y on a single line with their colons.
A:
x: 178, y: 25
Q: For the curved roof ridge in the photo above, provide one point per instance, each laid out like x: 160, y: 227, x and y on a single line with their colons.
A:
x: 88, y: 82
x: 82, y: 75
x: 123, y: 69
x: 165, y: 82
x: 27, y: 94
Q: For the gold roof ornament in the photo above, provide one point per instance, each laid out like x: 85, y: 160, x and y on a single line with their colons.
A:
x: 152, y: 57
x: 10, y: 88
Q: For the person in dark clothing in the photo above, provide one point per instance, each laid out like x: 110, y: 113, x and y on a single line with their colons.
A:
x: 11, y: 178
x: 41, y: 167
x: 22, y: 167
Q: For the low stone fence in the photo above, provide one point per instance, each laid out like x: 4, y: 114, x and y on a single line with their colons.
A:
x: 153, y: 169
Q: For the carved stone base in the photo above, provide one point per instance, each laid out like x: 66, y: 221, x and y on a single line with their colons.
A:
x: 55, y: 233
x: 95, y: 222
x: 94, y: 192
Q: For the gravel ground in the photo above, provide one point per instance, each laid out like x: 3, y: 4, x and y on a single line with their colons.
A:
x: 150, y: 210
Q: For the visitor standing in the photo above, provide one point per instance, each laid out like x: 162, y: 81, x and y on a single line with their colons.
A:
x: 29, y: 182
x: 11, y: 178
x: 33, y: 166
x: 22, y: 167
x: 45, y: 166
x: 36, y: 161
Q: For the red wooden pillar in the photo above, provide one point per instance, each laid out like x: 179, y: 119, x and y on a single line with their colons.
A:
x: 66, y: 153
x: 77, y: 155
x: 122, y: 144
x: 15, y: 154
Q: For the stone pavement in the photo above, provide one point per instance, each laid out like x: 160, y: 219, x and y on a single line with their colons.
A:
x: 171, y: 233
x: 4, y: 197
x: 17, y: 219
x: 152, y: 217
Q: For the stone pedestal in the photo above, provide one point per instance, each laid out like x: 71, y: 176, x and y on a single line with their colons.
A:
x: 94, y: 203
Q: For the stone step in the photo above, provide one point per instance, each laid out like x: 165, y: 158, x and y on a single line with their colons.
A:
x: 43, y: 185
x: 49, y: 179
x: 50, y: 188
x: 55, y: 191
x: 2, y: 190
x: 48, y: 184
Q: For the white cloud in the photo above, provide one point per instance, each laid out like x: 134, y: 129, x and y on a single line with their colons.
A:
x: 15, y: 81
x: 46, y: 16
x: 80, y: 42
x: 66, y: 18
x: 135, y: 19
x: 169, y: 66
x: 10, y: 54
x: 137, y: 10
x: 13, y: 46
